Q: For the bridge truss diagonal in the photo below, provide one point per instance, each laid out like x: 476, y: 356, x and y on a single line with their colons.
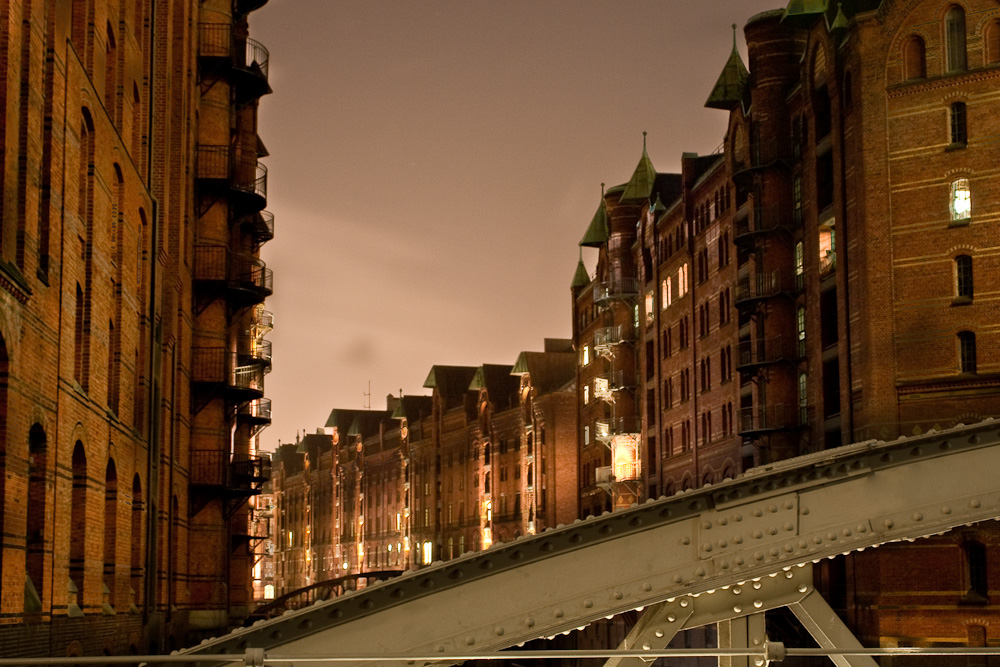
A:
x: 720, y: 554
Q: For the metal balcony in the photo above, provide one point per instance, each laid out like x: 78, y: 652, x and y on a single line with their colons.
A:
x: 217, y: 368
x: 238, y: 474
x: 260, y: 225
x: 618, y: 380
x: 607, y: 337
x: 251, y: 350
x: 762, y: 155
x: 761, y: 285
x: 625, y: 289
x: 606, y: 429
x: 247, y: 58
x: 256, y: 413
x: 760, y: 419
x: 761, y: 221
x: 763, y: 352
x: 247, y: 278
x: 244, y: 174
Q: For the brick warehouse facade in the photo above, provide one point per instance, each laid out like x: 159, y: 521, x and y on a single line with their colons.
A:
x: 132, y: 347
x: 824, y: 279
x: 490, y: 455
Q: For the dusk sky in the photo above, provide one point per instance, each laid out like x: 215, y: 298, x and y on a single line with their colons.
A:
x: 434, y: 164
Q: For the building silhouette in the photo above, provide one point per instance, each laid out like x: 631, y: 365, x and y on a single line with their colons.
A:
x: 132, y: 332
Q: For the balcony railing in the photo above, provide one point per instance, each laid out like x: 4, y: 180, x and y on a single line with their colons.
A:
x: 760, y: 285
x: 246, y: 273
x: 243, y: 172
x: 218, y: 365
x: 612, y: 426
x: 619, y: 379
x: 254, y: 350
x: 762, y: 221
x: 604, y: 475
x: 260, y: 225
x: 620, y: 288
x: 257, y: 411
x: 762, y: 352
x: 760, y: 419
x: 608, y: 336
x: 247, y: 56
x: 237, y: 472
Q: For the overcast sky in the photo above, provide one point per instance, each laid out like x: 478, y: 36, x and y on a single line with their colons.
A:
x: 433, y: 164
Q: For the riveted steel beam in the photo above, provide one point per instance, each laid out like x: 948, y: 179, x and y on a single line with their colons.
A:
x: 769, y: 521
x: 743, y: 632
x: 828, y: 630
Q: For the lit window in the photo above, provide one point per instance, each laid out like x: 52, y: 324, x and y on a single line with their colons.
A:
x: 963, y: 276
x: 650, y: 305
x: 967, y: 351
x: 827, y: 248
x: 586, y: 355
x: 800, y: 266
x: 586, y: 435
x: 428, y: 553
x: 665, y: 297
x: 586, y: 394
x: 800, y: 324
x: 291, y: 539
x: 961, y: 199
x: 959, y: 131
x: 682, y: 280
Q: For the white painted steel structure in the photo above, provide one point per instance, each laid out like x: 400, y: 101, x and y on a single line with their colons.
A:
x: 721, y: 554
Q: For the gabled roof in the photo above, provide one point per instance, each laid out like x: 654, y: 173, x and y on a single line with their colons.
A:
x: 640, y: 186
x: 451, y: 382
x: 499, y: 384
x: 412, y: 408
x: 549, y: 371
x: 804, y: 13
x: 598, y: 231
x: 729, y: 88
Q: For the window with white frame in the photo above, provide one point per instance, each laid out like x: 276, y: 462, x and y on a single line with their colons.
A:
x: 960, y: 202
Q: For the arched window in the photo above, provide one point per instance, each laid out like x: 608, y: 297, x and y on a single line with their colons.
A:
x: 35, y: 537
x: 135, y: 574
x: 78, y: 519
x: 991, y: 42
x: 963, y: 277
x: 954, y: 38
x: 803, y: 399
x: 110, y: 529
x: 957, y: 125
x: 967, y: 351
x: 914, y: 59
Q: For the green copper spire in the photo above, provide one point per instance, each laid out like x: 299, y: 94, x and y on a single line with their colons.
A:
x: 598, y: 231
x: 840, y: 20
x: 581, y: 278
x: 658, y: 207
x: 802, y: 13
x: 640, y: 186
x: 728, y: 90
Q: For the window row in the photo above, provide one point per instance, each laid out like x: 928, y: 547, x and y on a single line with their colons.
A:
x: 955, y: 36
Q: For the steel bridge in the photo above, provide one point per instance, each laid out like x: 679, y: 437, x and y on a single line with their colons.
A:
x: 721, y: 554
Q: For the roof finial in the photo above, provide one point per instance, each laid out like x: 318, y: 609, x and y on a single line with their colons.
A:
x: 644, y: 141
x: 602, y: 189
x: 734, y: 38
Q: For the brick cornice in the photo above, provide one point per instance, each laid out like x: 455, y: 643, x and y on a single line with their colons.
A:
x: 13, y: 282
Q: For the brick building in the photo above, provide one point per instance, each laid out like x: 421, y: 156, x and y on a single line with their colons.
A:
x: 132, y: 347
x: 489, y: 455
x: 817, y: 282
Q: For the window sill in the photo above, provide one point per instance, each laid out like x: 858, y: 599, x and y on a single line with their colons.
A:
x: 955, y: 146
x: 961, y: 301
x: 961, y: 222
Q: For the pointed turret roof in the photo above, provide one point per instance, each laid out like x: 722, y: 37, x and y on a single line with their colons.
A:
x: 802, y: 13
x: 598, y: 231
x: 728, y: 90
x: 581, y: 278
x: 640, y: 186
